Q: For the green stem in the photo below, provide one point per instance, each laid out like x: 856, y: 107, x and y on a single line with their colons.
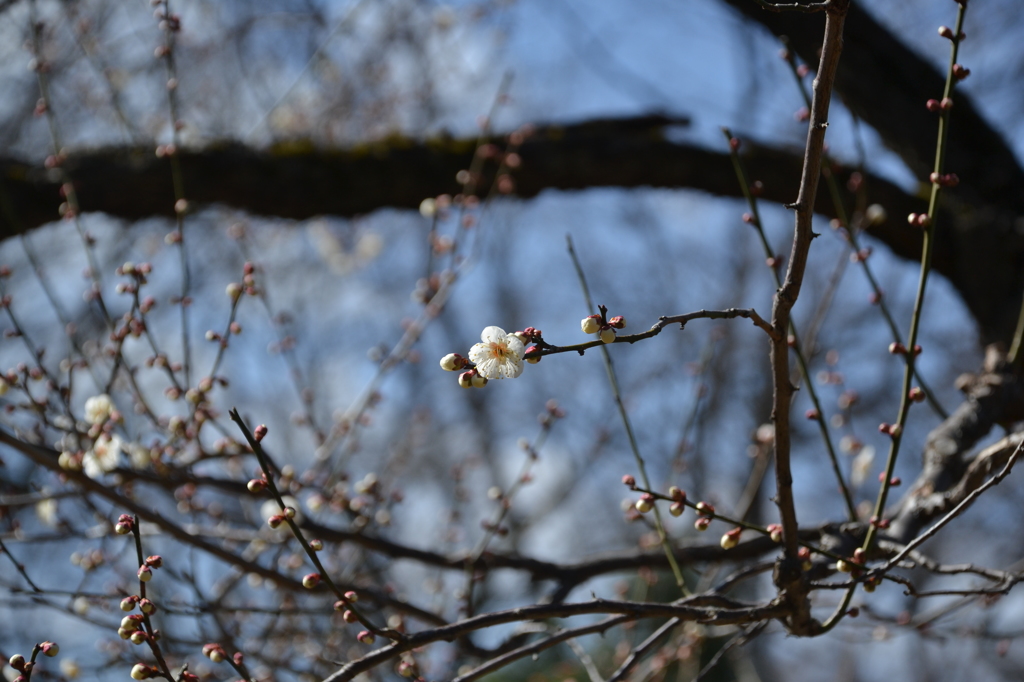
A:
x: 617, y: 394
x: 926, y: 262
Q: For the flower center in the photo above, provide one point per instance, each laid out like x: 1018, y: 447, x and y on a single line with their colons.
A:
x: 500, y: 350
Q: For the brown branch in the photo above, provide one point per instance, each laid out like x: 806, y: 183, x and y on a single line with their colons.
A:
x: 993, y: 396
x: 705, y: 609
x: 1007, y: 450
x: 789, y: 575
x: 48, y: 458
x: 978, y: 250
x: 530, y: 649
x: 681, y: 320
x: 793, y: 7
x: 567, y: 575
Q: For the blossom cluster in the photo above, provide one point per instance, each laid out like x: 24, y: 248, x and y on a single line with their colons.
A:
x: 602, y: 325
x: 501, y: 356
x: 497, y: 356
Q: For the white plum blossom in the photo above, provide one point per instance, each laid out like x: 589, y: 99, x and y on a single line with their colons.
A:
x: 500, y: 355
x: 139, y: 455
x: 46, y: 510
x: 98, y: 409
x: 103, y: 456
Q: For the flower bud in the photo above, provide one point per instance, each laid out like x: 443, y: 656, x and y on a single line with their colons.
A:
x: 256, y: 485
x: 259, y: 433
x: 645, y: 503
x: 532, y: 359
x: 311, y: 580
x: 349, y: 616
x: 452, y: 362
x: 275, y: 521
x: 628, y: 480
x: 619, y: 322
x: 17, y: 662
x: 145, y: 574
x: 147, y: 607
x: 702, y: 523
x: 141, y: 672
x: 316, y: 545
x: 591, y: 324
x: 844, y: 566
x: 128, y: 603
x: 876, y: 214
x: 156, y: 561
x: 607, y: 335
x: 676, y: 508
x: 676, y: 494
x: 466, y: 379
x: 131, y: 623
x: 775, y: 532
x: 366, y: 637
x: 729, y: 540
x: 138, y: 637
x: 478, y: 380
x: 353, y: 597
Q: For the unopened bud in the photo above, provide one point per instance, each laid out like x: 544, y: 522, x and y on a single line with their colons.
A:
x: 591, y: 324
x: 607, y: 335
x: 645, y: 503
x: 731, y: 539
x: 452, y: 362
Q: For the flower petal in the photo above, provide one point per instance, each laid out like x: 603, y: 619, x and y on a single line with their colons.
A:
x: 512, y: 367
x: 480, y: 352
x: 493, y: 335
